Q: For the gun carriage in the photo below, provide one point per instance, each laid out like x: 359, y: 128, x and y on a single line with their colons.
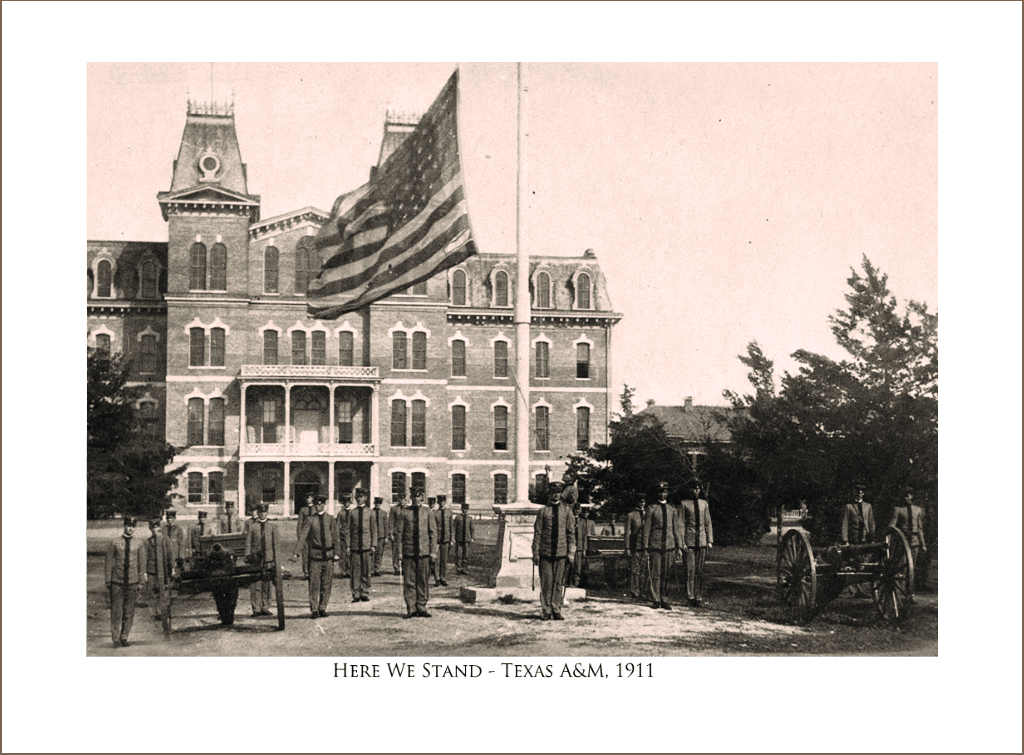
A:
x: 810, y: 577
x: 221, y: 569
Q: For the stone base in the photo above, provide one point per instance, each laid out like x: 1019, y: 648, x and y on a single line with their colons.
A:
x: 490, y: 594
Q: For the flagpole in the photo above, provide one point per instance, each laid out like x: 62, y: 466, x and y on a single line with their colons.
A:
x: 522, y: 308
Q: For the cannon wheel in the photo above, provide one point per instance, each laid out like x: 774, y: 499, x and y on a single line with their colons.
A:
x: 279, y: 592
x: 798, y: 575
x: 895, y: 582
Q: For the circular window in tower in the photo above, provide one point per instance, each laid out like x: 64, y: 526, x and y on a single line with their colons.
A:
x: 209, y: 164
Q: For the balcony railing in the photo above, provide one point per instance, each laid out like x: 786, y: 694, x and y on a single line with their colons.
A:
x: 318, y: 371
x: 326, y: 450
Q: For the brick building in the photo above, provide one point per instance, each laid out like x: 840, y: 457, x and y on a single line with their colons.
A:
x: 267, y: 404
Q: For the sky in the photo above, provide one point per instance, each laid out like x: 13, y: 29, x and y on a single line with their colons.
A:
x: 725, y: 202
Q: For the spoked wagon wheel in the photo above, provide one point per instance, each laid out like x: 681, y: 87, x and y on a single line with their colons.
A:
x: 895, y: 582
x: 798, y: 576
x: 279, y: 591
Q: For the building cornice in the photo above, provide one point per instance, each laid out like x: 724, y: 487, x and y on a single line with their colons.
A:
x: 282, y: 223
x: 121, y: 307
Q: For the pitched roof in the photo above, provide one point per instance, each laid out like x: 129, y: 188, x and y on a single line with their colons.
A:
x: 692, y: 424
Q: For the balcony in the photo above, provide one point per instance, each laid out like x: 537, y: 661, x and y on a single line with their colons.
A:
x: 308, y: 371
x: 294, y: 450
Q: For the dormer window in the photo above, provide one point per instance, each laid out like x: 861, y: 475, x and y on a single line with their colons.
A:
x: 459, y: 288
x: 150, y: 275
x: 501, y: 289
x: 542, y: 288
x: 307, y: 264
x: 104, y: 277
x: 583, y: 284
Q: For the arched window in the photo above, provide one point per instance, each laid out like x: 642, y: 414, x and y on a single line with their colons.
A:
x: 195, y: 421
x: 419, y: 482
x: 216, y: 422
x: 195, y: 487
x: 583, y: 291
x: 269, y: 420
x: 196, y: 347
x: 307, y: 264
x: 318, y: 347
x: 343, y: 412
x: 217, y: 347
x: 197, y: 268
x: 582, y: 428
x: 399, y: 347
x: 541, y: 359
x: 459, y: 288
x: 104, y: 275
x: 345, y: 348
x: 419, y: 350
x: 147, y: 418
x: 501, y: 428
x: 541, y: 428
x: 500, y: 489
x: 148, y: 361
x: 501, y: 289
x: 397, y: 487
x: 298, y: 347
x: 458, y: 489
x: 458, y: 358
x: 458, y: 427
x: 501, y: 359
x: 583, y: 361
x: 102, y: 346
x: 216, y: 485
x: 543, y: 291
x: 150, y: 279
x: 419, y: 424
x: 269, y: 347
x: 271, y: 260
x: 218, y: 268
x: 398, y: 422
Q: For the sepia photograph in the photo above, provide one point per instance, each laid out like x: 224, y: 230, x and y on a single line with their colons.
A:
x: 607, y: 375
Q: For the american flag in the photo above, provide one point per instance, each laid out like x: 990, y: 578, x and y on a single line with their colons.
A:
x: 406, y: 225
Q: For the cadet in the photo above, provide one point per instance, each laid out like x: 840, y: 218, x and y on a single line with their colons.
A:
x: 634, y: 529
x: 320, y: 534
x: 463, y: 537
x: 416, y: 530
x: 305, y: 511
x: 359, y: 538
x: 858, y: 520
x: 698, y: 539
x: 662, y: 538
x: 554, y: 543
x: 396, y: 545
x: 585, y: 527
x: 380, y: 517
x: 201, y: 528
x: 909, y: 519
x: 229, y: 522
x: 176, y: 534
x: 445, y: 539
x: 160, y: 569
x: 341, y: 519
x: 261, y: 544
x: 124, y: 572
x: 432, y: 507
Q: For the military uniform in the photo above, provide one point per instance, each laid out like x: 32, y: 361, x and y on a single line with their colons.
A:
x: 633, y: 532
x: 341, y: 518
x: 554, y: 544
x: 160, y: 570
x: 200, y: 529
x: 858, y: 523
x: 262, y: 545
x: 177, y: 536
x: 698, y: 536
x: 463, y: 537
x: 303, y: 555
x: 445, y: 539
x: 585, y: 527
x: 124, y: 572
x: 380, y: 517
x: 359, y: 539
x: 320, y: 533
x: 396, y: 544
x: 662, y: 537
x: 416, y: 531
x: 230, y: 522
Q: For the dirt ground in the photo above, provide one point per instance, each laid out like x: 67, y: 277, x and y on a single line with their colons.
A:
x: 742, y: 618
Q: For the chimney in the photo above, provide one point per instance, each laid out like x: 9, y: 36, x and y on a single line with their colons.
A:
x: 650, y: 403
x: 688, y: 403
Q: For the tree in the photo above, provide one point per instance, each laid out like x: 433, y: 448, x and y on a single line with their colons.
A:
x: 870, y: 417
x: 126, y: 469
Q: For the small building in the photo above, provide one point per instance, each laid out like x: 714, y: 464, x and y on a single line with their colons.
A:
x: 694, y: 427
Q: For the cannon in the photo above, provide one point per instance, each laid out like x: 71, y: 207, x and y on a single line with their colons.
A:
x: 219, y: 569
x: 811, y: 577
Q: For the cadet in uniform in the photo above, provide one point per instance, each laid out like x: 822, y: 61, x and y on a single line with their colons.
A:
x: 320, y: 534
x: 303, y: 514
x: 698, y: 539
x: 445, y: 539
x: 909, y: 519
x: 662, y: 539
x: 201, y: 528
x: 554, y: 544
x: 858, y: 527
x: 124, y: 572
x: 585, y: 527
x: 359, y: 539
x: 416, y: 530
x: 396, y: 544
x: 229, y: 522
x: 261, y: 544
x: 634, y: 530
x: 160, y: 569
x: 175, y: 533
x: 342, y: 522
x: 463, y: 537
x: 380, y: 517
